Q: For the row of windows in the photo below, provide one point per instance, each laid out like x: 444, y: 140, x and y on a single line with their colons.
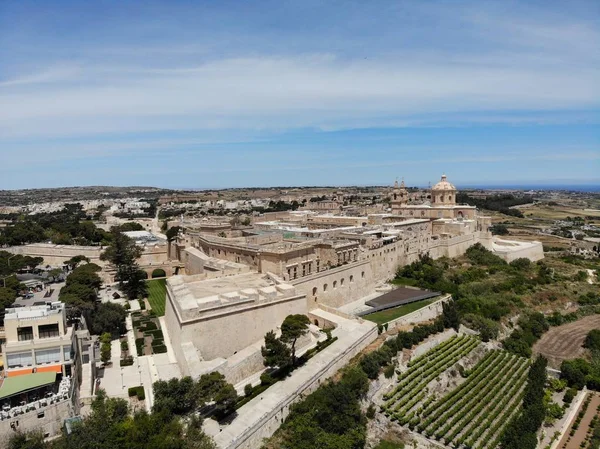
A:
x: 315, y: 290
x: 42, y: 356
x: 45, y: 331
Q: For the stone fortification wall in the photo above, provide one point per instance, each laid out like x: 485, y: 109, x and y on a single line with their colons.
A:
x: 193, y: 261
x: 262, y: 416
x: 336, y: 287
x: 57, y: 254
x: 533, y: 251
x: 224, y: 332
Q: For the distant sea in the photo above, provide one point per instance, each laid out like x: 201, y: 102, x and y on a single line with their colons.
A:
x: 568, y: 187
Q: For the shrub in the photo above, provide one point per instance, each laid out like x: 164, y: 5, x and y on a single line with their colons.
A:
x: 127, y: 361
x: 124, y: 346
x: 159, y: 349
x: 149, y: 326
x: 248, y: 389
x: 141, y: 394
x: 142, y: 304
x: 157, y: 334
x: 569, y: 395
x: 371, y: 412
x: 132, y: 391
x: 266, y: 379
x: 388, y: 372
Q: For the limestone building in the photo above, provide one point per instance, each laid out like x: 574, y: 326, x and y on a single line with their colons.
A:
x: 37, y: 340
x: 442, y: 203
x: 219, y: 323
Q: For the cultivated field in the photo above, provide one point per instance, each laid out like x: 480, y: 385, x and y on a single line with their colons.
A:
x: 565, y: 342
x: 472, y: 415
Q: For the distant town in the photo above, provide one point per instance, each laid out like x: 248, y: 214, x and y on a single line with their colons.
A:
x: 416, y: 317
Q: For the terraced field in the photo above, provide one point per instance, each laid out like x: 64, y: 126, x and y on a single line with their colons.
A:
x: 566, y: 341
x: 472, y: 415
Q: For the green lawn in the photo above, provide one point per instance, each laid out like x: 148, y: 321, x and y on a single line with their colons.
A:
x: 391, y: 314
x: 157, y: 295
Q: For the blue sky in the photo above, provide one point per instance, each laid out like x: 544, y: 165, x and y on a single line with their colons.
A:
x: 232, y: 93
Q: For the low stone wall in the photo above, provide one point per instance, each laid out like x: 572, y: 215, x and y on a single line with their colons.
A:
x: 426, y: 313
x: 50, y: 424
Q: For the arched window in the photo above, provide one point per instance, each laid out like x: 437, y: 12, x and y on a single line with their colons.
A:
x: 324, y: 287
x: 334, y: 284
x: 362, y: 275
x: 342, y: 282
x: 314, y: 291
x: 351, y: 278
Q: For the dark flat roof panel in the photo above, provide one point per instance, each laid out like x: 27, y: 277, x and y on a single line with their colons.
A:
x: 399, y: 297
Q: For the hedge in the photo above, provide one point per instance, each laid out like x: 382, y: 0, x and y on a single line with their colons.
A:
x: 127, y: 361
x: 159, y: 349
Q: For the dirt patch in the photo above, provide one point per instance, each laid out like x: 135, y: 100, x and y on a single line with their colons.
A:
x: 565, y: 342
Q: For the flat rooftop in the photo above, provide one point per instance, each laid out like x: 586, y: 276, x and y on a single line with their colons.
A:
x: 21, y: 313
x: 227, y: 284
x: 399, y: 297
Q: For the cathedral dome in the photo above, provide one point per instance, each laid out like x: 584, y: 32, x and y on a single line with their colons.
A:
x: 443, y: 185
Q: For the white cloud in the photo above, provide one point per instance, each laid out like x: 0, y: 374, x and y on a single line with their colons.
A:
x: 286, y: 92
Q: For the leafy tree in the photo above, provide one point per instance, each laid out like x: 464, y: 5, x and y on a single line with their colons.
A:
x: 292, y: 328
x: 176, y: 396
x: 123, y: 254
x: 76, y: 260
x: 105, y: 353
x: 55, y: 274
x: 575, y: 372
x: 329, y: 418
x: 108, y: 318
x: 225, y: 400
x: 275, y: 352
x: 450, y: 314
x: 110, y: 425
x: 172, y: 233
x: 130, y: 226
x: 370, y: 365
x: 499, y: 229
x: 183, y: 396
x: 30, y: 440
x: 592, y: 340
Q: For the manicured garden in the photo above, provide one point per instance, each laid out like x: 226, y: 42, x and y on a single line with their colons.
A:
x: 157, y: 295
x: 385, y: 316
x: 149, y: 337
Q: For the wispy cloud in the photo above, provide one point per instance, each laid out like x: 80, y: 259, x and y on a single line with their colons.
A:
x: 221, y: 79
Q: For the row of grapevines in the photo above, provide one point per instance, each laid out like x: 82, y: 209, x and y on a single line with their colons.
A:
x: 447, y: 405
x: 429, y: 373
x: 417, y: 370
x: 433, y: 351
x: 486, y: 364
x: 485, y: 420
x: 498, y: 428
x: 458, y: 412
x: 466, y: 425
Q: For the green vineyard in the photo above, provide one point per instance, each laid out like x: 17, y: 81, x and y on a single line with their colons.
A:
x: 471, y: 416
